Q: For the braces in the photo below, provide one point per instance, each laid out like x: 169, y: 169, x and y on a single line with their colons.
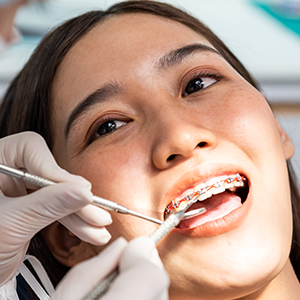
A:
x: 175, y: 204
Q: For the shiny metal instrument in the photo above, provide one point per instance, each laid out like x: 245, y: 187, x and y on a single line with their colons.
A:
x: 166, y: 227
x: 98, y: 201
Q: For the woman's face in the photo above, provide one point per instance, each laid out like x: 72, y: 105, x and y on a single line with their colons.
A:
x: 147, y: 110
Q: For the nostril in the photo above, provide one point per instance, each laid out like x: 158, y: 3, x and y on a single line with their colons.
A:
x: 202, y: 144
x: 171, y: 157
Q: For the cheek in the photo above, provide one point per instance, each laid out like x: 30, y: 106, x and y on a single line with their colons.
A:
x: 111, y: 172
x: 247, y: 120
x: 129, y: 227
x: 120, y: 174
x: 248, y: 124
x: 253, y: 127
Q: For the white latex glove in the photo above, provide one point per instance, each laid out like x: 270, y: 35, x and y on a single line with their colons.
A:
x: 141, y: 275
x: 22, y: 215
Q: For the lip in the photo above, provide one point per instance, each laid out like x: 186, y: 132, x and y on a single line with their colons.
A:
x: 193, y: 178
x: 216, y: 186
x: 218, y: 226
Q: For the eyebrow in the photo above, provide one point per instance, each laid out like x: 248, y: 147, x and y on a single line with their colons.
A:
x: 175, y: 57
x: 101, y: 95
x: 106, y: 92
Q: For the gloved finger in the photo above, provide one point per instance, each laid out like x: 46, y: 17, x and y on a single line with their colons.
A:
x: 88, y: 224
x: 143, y: 281
x: 21, y: 218
x: 139, y: 278
x: 92, y: 234
x: 42, y: 162
x: 61, y: 199
x: 29, y: 214
x: 140, y: 248
x: 28, y: 150
x: 75, y: 286
x: 94, y: 216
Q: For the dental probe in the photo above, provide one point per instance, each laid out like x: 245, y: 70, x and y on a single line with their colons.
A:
x: 166, y: 227
x: 98, y: 201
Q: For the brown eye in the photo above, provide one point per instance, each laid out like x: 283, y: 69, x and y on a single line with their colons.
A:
x: 194, y: 86
x: 198, y: 84
x: 109, y: 126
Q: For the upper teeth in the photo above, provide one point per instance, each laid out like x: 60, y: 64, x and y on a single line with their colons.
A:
x: 205, y: 190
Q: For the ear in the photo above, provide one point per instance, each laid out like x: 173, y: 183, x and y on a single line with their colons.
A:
x: 287, y: 144
x: 67, y: 248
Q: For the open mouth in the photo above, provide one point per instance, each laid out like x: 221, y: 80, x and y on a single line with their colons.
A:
x: 219, y: 196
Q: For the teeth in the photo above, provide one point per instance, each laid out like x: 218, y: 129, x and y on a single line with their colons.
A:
x: 205, y: 196
x: 214, y: 186
x: 219, y: 190
x: 229, y: 185
x: 203, y: 190
x: 188, y: 197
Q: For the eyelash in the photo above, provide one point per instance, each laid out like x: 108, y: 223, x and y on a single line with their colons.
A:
x: 201, y: 75
x: 95, y: 135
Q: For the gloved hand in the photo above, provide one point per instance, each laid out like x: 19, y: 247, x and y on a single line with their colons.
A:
x: 141, y: 275
x: 23, y: 214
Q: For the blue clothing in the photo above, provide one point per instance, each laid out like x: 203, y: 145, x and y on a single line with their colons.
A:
x: 23, y: 289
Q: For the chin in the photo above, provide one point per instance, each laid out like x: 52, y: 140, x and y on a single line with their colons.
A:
x: 230, y: 285
x: 237, y: 273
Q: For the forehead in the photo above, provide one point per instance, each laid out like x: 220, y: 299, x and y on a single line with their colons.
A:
x: 134, y: 40
x: 132, y: 36
x: 120, y: 49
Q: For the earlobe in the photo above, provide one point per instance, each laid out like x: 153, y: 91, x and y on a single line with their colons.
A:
x: 67, y: 248
x: 287, y: 143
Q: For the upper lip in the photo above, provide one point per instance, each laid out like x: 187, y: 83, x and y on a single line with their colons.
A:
x: 197, y: 176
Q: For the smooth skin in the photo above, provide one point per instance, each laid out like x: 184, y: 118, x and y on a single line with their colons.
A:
x: 165, y: 135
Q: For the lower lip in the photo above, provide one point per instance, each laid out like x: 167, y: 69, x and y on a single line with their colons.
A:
x: 215, y: 227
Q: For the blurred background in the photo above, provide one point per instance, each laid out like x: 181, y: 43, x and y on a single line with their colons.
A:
x: 264, y: 35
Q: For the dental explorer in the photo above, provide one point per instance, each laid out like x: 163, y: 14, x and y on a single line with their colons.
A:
x: 98, y: 201
x: 165, y: 228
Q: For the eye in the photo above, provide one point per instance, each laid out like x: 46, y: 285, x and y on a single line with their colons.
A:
x: 109, y: 126
x: 199, y: 83
x: 104, y: 127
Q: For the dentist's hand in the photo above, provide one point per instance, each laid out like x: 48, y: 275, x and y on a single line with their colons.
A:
x: 24, y: 212
x: 141, y: 275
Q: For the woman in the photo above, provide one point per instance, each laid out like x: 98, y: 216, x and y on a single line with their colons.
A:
x: 148, y: 105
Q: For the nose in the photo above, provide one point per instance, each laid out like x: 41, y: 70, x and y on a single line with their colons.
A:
x: 178, y: 140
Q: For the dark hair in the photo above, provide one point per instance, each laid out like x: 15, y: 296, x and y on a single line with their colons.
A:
x: 27, y: 104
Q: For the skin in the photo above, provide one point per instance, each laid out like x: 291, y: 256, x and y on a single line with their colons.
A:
x: 157, y: 153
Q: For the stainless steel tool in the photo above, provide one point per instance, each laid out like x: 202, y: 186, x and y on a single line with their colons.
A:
x: 166, y: 227
x: 98, y: 201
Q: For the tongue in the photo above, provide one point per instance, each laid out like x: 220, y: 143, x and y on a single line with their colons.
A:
x: 216, y: 206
